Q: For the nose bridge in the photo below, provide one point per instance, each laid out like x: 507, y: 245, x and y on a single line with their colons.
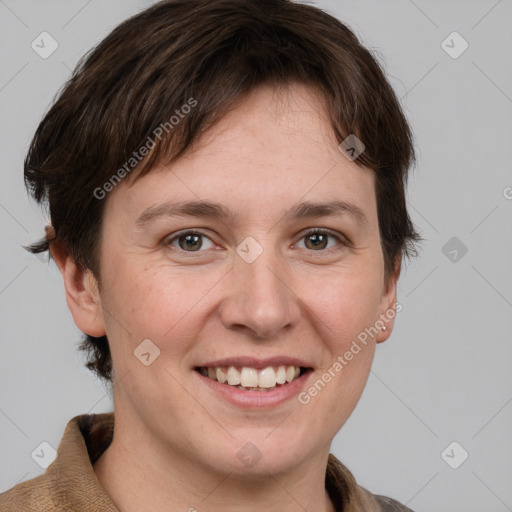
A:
x: 261, y: 299
x: 263, y: 279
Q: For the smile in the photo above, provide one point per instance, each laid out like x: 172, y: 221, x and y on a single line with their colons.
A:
x: 251, y: 379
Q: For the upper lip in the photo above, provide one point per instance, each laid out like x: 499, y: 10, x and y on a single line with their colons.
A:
x: 254, y: 362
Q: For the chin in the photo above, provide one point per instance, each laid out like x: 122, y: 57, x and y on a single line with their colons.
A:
x: 254, y: 460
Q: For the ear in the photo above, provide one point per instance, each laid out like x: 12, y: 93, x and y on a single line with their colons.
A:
x: 388, y: 308
x: 82, y: 293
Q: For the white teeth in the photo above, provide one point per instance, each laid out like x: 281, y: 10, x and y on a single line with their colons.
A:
x: 233, y: 376
x: 255, y: 380
x: 267, y: 378
x: 290, y: 373
x: 281, y: 375
x: 221, y: 376
x: 249, y: 377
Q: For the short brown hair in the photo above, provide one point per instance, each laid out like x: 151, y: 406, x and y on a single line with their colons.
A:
x: 215, y: 52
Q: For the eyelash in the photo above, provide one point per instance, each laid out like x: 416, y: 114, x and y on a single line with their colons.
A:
x: 312, y: 231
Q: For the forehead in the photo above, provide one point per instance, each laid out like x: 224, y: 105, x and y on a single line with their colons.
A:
x: 276, y: 147
x: 271, y: 117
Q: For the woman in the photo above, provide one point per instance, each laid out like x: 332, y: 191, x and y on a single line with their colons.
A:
x: 226, y: 188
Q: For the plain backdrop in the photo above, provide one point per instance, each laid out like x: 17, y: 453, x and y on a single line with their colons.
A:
x: 443, y: 376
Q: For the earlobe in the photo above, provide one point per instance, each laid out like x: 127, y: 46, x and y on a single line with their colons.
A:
x: 388, y: 306
x: 82, y: 293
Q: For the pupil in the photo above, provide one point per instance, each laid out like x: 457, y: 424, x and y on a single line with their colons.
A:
x: 320, y: 239
x: 194, y: 241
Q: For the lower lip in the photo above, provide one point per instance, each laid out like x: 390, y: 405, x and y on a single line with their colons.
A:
x: 257, y: 399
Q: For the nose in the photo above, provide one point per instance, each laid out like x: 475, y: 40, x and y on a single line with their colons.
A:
x: 260, y: 298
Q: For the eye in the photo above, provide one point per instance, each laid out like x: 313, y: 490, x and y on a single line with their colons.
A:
x: 188, y: 240
x: 318, y: 239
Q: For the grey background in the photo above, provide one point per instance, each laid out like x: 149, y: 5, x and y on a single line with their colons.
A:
x: 443, y: 376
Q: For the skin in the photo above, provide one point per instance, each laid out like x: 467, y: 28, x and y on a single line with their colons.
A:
x: 176, y: 442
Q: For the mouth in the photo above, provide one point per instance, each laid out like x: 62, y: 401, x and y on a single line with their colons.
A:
x: 252, y: 379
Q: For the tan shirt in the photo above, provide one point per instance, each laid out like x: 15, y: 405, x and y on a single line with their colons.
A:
x: 70, y: 484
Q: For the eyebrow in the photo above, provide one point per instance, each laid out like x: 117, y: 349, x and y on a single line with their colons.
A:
x: 208, y: 209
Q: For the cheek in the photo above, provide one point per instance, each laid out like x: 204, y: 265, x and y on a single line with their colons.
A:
x: 346, y: 305
x: 156, y: 303
x: 344, y: 318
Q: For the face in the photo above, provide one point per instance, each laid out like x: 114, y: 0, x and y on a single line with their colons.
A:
x: 270, y: 286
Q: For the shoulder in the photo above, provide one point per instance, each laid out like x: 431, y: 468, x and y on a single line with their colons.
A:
x: 347, y: 495
x: 30, y: 496
x: 390, y: 505
x: 69, y: 482
x: 383, y: 503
